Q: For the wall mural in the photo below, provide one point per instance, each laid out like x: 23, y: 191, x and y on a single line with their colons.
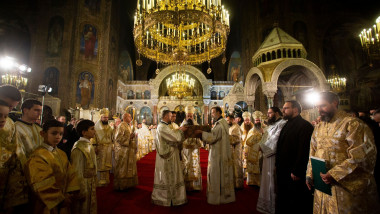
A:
x: 93, y: 6
x: 85, y: 89
x: 89, y: 42
x: 55, y: 36
x: 145, y: 113
x: 51, y: 78
x: 235, y: 73
x: 125, y: 67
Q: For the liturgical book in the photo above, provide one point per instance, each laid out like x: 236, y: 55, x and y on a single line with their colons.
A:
x: 319, y: 165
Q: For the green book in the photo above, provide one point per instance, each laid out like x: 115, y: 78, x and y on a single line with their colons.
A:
x: 319, y: 165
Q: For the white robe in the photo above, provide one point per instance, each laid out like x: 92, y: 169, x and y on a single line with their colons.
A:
x: 169, y: 186
x: 220, y: 181
x: 267, y: 196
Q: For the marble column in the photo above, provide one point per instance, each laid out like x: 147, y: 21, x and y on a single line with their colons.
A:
x: 251, y: 103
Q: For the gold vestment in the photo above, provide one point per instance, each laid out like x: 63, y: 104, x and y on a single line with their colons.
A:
x: 13, y: 185
x: 348, y: 147
x: 50, y: 176
x: 126, y: 169
x: 83, y: 160
x: 103, y: 142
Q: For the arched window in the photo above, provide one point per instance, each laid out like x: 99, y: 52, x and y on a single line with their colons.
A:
x: 278, y: 53
x: 268, y: 57
x: 263, y: 57
x: 131, y: 95
x: 284, y: 53
x: 294, y: 53
x: 289, y: 53
x: 299, y: 53
x: 273, y: 55
x: 214, y: 95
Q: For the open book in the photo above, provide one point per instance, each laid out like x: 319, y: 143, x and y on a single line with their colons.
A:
x: 319, y: 165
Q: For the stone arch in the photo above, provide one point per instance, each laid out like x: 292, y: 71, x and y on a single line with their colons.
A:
x: 205, y: 83
x: 249, y: 84
x: 314, y: 70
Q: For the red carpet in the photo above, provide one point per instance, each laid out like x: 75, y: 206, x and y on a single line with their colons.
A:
x: 137, y: 200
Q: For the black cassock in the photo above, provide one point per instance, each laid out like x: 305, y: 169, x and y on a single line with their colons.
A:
x: 292, y: 157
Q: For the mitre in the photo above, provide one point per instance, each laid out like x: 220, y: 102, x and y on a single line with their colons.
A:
x: 104, y: 112
x: 189, y: 109
x: 246, y: 115
x: 257, y: 114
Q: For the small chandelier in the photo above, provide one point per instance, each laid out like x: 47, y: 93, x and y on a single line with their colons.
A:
x: 17, y: 80
x: 180, y: 85
x: 14, y: 72
x: 337, y: 83
x: 370, y: 41
x: 181, y: 31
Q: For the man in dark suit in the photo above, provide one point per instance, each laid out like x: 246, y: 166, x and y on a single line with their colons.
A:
x: 291, y: 162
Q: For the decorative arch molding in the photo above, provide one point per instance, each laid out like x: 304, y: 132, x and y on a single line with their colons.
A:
x: 310, y: 66
x: 155, y: 83
x: 250, y: 85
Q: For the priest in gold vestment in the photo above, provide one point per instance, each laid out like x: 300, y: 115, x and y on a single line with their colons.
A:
x: 169, y: 186
x: 103, y: 143
x: 191, y: 155
x: 236, y: 151
x: 13, y: 191
x: 245, y: 127
x: 50, y: 174
x: 126, y: 169
x: 347, y: 145
x: 252, y: 151
x: 220, y: 178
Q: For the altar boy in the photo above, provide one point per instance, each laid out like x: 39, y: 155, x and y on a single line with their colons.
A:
x: 49, y: 173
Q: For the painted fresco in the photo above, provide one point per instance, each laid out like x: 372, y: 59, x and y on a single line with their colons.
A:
x: 51, y: 78
x: 235, y: 73
x: 85, y: 89
x: 55, y: 36
x: 125, y: 67
x: 89, y: 42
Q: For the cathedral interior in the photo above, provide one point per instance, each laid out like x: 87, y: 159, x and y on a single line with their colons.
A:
x: 85, y: 52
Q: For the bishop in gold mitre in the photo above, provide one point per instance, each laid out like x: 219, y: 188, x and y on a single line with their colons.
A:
x: 103, y: 143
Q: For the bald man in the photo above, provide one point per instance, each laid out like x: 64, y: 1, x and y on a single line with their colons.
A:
x: 125, y: 156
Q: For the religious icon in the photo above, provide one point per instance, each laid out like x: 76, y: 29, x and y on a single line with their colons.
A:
x: 125, y: 67
x: 89, y: 42
x: 146, y: 113
x: 55, y: 36
x: 51, y: 78
x: 234, y: 68
x: 85, y: 89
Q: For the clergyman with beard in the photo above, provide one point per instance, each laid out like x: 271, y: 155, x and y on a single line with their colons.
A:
x: 236, y: 151
x: 245, y: 128
x: 252, y: 152
x: 103, y: 145
x: 291, y: 161
x: 347, y: 145
x: 268, y: 145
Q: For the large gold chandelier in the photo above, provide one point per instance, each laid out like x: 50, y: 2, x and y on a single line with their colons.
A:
x: 370, y: 41
x: 180, y: 85
x: 180, y: 31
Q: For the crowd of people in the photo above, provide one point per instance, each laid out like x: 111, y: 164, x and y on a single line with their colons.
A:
x: 56, y: 167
